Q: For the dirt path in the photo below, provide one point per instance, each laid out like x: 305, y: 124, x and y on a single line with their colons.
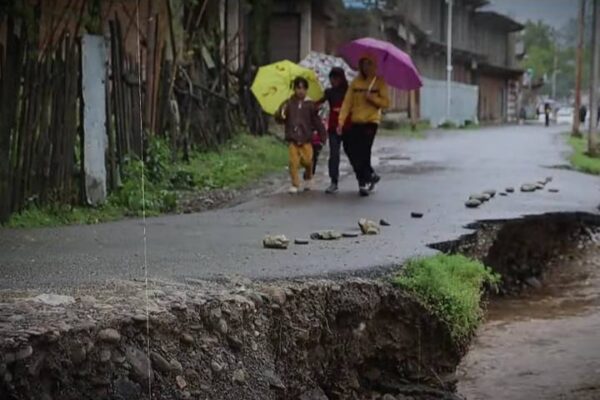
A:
x: 545, y: 345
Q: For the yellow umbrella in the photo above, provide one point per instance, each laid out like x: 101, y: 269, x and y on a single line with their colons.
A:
x: 273, y: 84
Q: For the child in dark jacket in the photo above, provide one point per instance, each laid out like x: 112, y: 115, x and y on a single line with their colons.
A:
x: 300, y: 119
x: 334, y: 96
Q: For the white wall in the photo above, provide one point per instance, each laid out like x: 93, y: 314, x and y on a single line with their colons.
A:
x: 433, y: 102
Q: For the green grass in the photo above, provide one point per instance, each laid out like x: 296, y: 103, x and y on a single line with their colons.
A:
x: 403, y: 129
x: 466, y: 126
x: 35, y: 217
x: 580, y: 160
x: 450, y: 286
x: 243, y: 160
x: 469, y: 126
x: 240, y: 162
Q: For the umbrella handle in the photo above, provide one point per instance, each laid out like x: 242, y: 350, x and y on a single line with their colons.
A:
x: 372, y: 83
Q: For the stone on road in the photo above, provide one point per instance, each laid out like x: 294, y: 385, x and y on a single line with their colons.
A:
x: 482, y: 197
x: 276, y: 242
x: 528, y: 187
x: 368, y: 227
x: 326, y: 235
x: 473, y: 203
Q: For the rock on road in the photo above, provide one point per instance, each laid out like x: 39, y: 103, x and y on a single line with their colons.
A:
x: 434, y: 176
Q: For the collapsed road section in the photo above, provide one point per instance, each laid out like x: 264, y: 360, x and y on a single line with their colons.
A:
x: 312, y: 340
x: 347, y: 338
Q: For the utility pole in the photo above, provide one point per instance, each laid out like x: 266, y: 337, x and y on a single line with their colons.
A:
x: 449, y: 61
x: 595, y: 65
x: 554, y: 72
x: 412, y: 106
x: 578, y: 71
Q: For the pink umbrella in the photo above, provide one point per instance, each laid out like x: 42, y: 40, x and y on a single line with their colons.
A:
x: 393, y: 65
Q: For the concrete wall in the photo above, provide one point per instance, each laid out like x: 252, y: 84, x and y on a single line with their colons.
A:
x: 433, y: 102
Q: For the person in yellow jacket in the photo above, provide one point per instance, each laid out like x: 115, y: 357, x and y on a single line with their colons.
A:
x: 364, y: 101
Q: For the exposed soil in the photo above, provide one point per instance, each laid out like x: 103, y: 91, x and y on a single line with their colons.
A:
x: 352, y: 339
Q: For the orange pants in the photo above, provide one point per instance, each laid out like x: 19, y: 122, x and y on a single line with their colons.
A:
x: 300, y: 155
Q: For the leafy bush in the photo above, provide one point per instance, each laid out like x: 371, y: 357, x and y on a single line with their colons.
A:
x: 157, y: 160
x: 156, y: 197
x: 182, y: 179
x: 451, y: 287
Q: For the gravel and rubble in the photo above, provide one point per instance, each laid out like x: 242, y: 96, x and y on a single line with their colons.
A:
x: 343, y: 339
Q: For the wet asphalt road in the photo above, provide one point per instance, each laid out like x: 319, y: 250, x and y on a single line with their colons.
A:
x: 433, y: 176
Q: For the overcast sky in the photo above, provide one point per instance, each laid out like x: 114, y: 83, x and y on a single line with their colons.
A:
x: 553, y: 12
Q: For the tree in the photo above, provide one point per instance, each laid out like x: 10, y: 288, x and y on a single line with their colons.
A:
x: 542, y: 42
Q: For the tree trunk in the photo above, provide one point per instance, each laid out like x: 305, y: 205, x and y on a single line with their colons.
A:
x: 593, y: 132
x: 579, y: 68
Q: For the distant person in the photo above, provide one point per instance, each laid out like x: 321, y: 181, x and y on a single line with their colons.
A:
x: 547, y: 110
x: 364, y: 101
x: 582, y: 113
x: 334, y: 96
x: 300, y: 119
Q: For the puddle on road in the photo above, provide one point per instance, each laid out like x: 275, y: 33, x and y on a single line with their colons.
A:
x: 544, y: 344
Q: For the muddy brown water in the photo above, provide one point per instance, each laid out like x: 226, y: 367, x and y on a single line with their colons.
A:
x: 544, y: 344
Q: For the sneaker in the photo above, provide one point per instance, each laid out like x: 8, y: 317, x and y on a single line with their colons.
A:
x: 374, y: 181
x: 333, y: 188
x: 308, y: 185
x: 293, y: 190
x: 363, y: 191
